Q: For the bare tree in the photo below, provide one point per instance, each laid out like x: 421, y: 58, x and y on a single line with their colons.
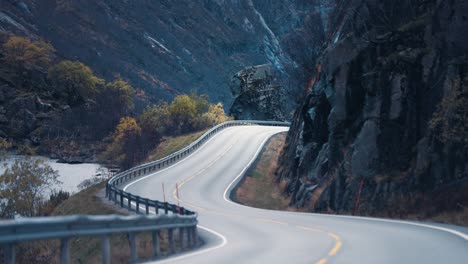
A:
x: 23, y: 185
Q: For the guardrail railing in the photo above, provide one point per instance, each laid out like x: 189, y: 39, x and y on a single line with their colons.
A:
x: 169, y: 217
x: 67, y: 227
x: 117, y: 195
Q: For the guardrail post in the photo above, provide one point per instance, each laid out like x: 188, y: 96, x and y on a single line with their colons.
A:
x: 181, y: 237
x: 155, y: 238
x: 166, y: 209
x: 170, y: 236
x: 106, y: 256
x: 65, y: 250
x: 133, y: 247
x: 115, y: 196
x: 189, y: 237
x: 9, y: 253
x: 147, y: 206
x: 194, y: 235
x: 129, y: 202
x: 156, y: 208
x: 137, y: 200
x: 121, y: 200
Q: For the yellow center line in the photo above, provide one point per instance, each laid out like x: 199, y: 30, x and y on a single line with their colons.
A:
x: 322, y: 261
x: 174, y: 192
x: 310, y: 229
x: 271, y: 221
x: 337, y: 246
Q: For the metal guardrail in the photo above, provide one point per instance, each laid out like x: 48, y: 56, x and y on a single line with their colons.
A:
x: 173, y: 217
x: 67, y: 227
x: 115, y: 194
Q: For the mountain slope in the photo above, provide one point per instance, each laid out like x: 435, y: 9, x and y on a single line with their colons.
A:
x: 165, y: 47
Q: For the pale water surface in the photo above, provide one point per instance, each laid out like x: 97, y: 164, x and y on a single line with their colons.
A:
x: 71, y: 175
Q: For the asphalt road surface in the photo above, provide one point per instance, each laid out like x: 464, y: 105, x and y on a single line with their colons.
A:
x: 235, y: 233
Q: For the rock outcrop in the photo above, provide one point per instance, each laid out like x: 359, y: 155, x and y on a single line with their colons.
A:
x: 258, y: 94
x: 386, y: 107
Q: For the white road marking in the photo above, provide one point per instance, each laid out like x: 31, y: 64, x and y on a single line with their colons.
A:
x: 445, y: 229
x: 254, y: 157
x: 198, y: 252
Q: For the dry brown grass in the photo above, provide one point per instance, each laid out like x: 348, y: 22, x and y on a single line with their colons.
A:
x: 260, y: 187
x: 170, y: 145
x: 447, y: 204
x: 456, y: 217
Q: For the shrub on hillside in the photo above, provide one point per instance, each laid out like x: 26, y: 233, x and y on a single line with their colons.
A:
x: 185, y: 114
x: 119, y: 94
x: 216, y: 115
x: 124, y: 148
x: 75, y: 81
x: 24, y: 54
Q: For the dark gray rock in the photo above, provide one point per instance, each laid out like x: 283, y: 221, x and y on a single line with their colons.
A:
x: 364, y: 160
x: 258, y: 94
x: 367, y: 113
x: 22, y: 123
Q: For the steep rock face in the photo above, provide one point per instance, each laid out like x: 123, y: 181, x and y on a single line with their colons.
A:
x: 258, y: 94
x: 391, y: 71
x: 301, y: 28
x: 165, y: 47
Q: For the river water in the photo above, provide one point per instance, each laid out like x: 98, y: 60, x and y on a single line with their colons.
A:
x: 70, y: 175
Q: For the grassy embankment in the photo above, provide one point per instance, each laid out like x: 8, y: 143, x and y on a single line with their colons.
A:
x: 170, y: 145
x: 260, y: 188
x: 90, y: 201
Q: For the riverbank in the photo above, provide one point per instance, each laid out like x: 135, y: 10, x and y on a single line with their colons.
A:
x: 71, y: 151
x: 72, y: 177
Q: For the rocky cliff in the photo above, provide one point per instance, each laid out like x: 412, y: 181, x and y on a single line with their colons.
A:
x: 258, y: 94
x: 273, y: 91
x: 385, y: 108
x: 166, y: 47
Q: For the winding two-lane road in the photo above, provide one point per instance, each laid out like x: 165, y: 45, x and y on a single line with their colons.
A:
x: 239, y: 234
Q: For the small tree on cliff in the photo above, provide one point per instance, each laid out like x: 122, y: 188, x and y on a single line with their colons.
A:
x: 74, y: 81
x: 113, y: 102
x: 119, y: 95
x: 23, y: 54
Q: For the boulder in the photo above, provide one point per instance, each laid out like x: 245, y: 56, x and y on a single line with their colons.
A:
x: 258, y: 94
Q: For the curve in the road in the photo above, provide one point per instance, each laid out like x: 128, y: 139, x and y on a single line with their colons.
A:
x: 239, y: 234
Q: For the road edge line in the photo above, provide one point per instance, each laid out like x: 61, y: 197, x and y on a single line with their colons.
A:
x: 229, y: 189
